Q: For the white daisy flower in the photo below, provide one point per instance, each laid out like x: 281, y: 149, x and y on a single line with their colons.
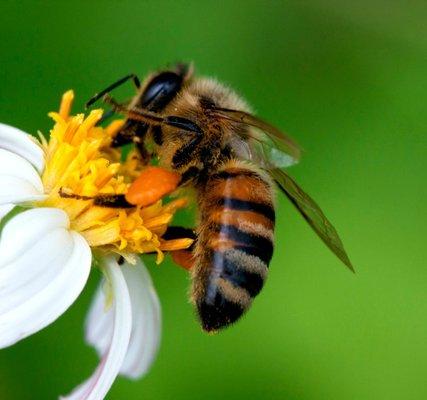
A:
x: 48, y: 242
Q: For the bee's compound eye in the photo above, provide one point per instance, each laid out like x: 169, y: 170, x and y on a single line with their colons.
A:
x: 161, y: 90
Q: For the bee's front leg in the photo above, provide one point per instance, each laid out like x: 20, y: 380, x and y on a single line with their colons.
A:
x: 144, y: 155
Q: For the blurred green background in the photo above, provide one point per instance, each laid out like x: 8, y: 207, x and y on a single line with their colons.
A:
x: 348, y: 80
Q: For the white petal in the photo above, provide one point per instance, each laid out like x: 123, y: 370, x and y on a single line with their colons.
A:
x: 19, y: 181
x: 146, y: 322
x: 26, y: 228
x: 41, y: 277
x: 97, y: 386
x: 20, y: 143
x: 35, y: 268
x: 99, y: 322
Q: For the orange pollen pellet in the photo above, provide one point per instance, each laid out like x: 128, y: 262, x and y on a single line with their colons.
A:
x: 152, y: 184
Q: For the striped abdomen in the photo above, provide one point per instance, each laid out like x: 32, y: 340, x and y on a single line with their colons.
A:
x: 235, y: 243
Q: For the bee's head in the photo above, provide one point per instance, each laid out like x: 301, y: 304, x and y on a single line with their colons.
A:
x: 161, y: 88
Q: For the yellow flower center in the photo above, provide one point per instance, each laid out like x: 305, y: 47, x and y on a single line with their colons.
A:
x: 79, y: 161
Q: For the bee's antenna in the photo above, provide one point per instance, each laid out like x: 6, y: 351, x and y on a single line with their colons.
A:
x: 113, y: 86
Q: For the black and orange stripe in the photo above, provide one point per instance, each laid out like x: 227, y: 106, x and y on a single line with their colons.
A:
x: 235, y: 243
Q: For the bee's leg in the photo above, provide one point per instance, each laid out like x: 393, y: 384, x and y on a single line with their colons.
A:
x: 183, y: 258
x: 152, y: 184
x: 145, y: 155
x: 101, y: 200
x: 132, y: 132
x: 179, y: 232
x: 192, y: 174
x: 153, y: 118
x: 112, y: 201
x: 125, y: 135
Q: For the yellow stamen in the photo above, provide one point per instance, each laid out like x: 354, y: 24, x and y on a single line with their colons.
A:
x: 79, y: 161
x: 66, y: 103
x: 160, y: 220
x: 112, y: 129
x: 175, y: 244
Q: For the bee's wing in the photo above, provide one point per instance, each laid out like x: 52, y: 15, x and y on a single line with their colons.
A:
x: 312, y: 213
x: 268, y: 154
x: 271, y: 144
x: 273, y: 150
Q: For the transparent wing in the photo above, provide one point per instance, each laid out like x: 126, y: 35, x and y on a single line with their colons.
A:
x: 263, y: 153
x: 272, y: 149
x: 312, y: 213
x: 269, y: 155
x: 269, y: 141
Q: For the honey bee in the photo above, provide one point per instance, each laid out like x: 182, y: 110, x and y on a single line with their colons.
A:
x: 206, y: 133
